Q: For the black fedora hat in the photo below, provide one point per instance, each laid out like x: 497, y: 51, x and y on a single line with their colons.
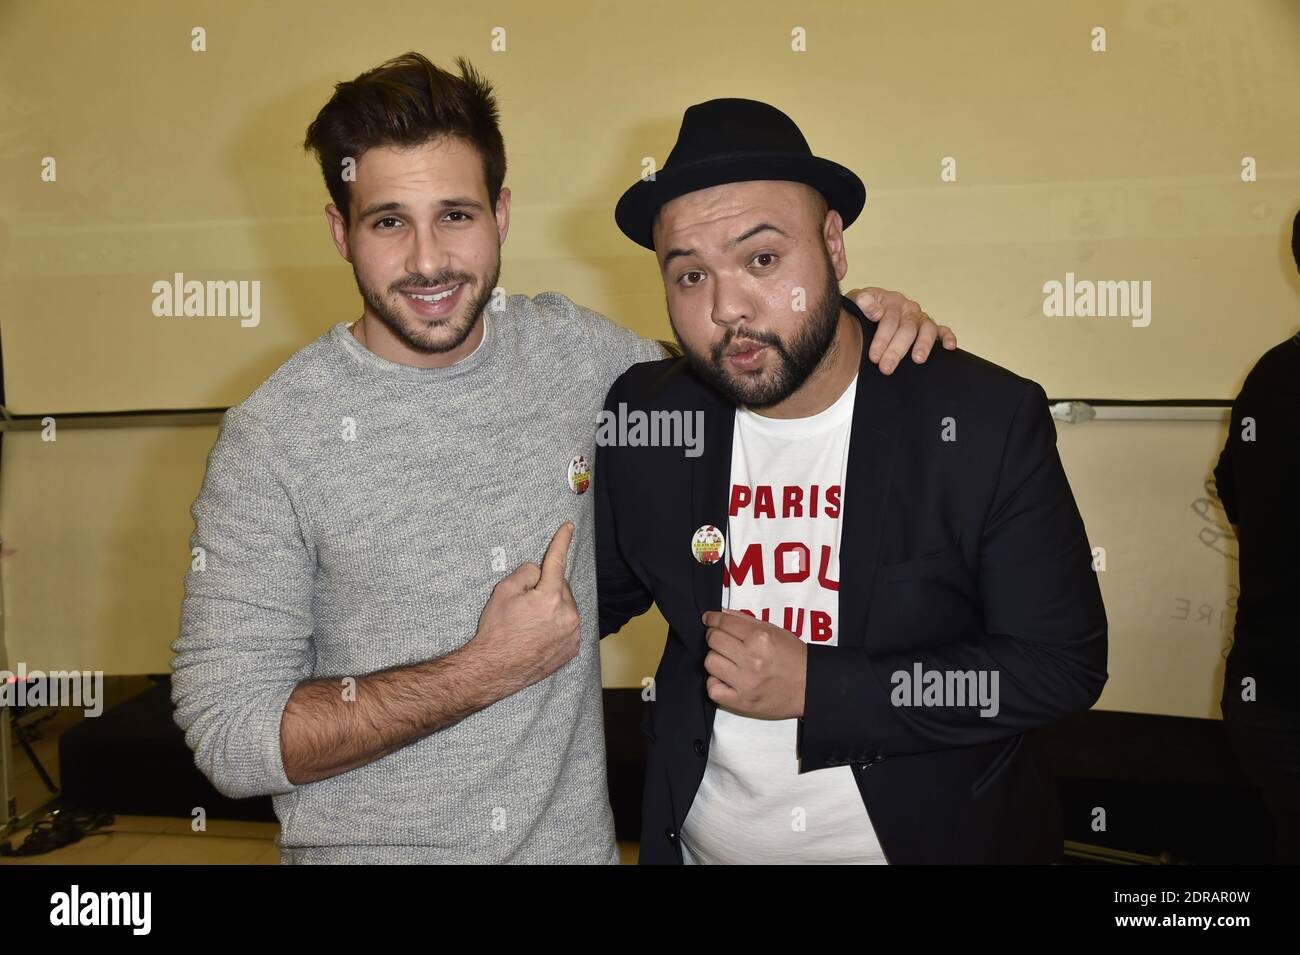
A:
x: 735, y: 140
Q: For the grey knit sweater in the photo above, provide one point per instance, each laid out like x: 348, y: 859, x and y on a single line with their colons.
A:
x: 355, y: 516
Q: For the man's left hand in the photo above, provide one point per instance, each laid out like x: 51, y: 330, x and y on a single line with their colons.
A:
x: 755, y: 668
x: 900, y: 325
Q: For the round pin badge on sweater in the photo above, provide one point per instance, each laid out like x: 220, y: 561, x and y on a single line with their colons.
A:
x: 579, y: 475
x: 708, y: 545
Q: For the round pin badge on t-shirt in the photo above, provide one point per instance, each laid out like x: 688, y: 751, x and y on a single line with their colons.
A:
x: 579, y: 475
x: 708, y: 544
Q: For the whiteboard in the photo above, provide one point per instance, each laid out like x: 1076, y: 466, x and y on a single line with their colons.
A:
x: 1171, y: 571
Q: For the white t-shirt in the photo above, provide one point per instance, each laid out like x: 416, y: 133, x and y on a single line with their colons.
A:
x: 782, y: 565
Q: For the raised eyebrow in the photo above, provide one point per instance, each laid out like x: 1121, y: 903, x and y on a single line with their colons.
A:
x: 747, y: 234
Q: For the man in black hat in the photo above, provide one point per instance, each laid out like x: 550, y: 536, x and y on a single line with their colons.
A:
x: 875, y: 586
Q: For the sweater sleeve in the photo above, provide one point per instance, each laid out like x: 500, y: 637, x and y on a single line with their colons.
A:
x: 617, y: 349
x: 613, y: 348
x: 246, y: 620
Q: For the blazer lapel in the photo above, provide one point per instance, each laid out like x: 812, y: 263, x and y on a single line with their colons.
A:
x: 872, y: 443
x: 710, y: 493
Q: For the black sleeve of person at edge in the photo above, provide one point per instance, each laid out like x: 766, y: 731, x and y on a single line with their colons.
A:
x: 1256, y: 477
x: 1044, y: 622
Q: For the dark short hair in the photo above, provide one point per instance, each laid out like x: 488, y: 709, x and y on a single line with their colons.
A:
x: 407, y: 101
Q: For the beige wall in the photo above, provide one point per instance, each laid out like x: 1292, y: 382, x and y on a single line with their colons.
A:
x: 1115, y: 165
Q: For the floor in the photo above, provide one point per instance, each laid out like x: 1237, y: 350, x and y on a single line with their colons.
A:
x: 147, y: 840
x: 159, y: 840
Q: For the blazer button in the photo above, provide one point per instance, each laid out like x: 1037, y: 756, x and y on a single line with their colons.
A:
x: 698, y: 746
x: 672, y: 836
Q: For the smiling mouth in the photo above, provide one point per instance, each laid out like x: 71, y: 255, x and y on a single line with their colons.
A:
x: 433, y: 296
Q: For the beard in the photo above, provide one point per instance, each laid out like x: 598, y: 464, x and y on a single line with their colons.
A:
x: 795, y: 361
x: 422, y: 335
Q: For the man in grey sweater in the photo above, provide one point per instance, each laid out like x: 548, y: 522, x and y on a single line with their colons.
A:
x: 365, y: 635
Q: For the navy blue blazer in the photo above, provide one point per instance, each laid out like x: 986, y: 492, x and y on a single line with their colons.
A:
x: 957, y: 555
